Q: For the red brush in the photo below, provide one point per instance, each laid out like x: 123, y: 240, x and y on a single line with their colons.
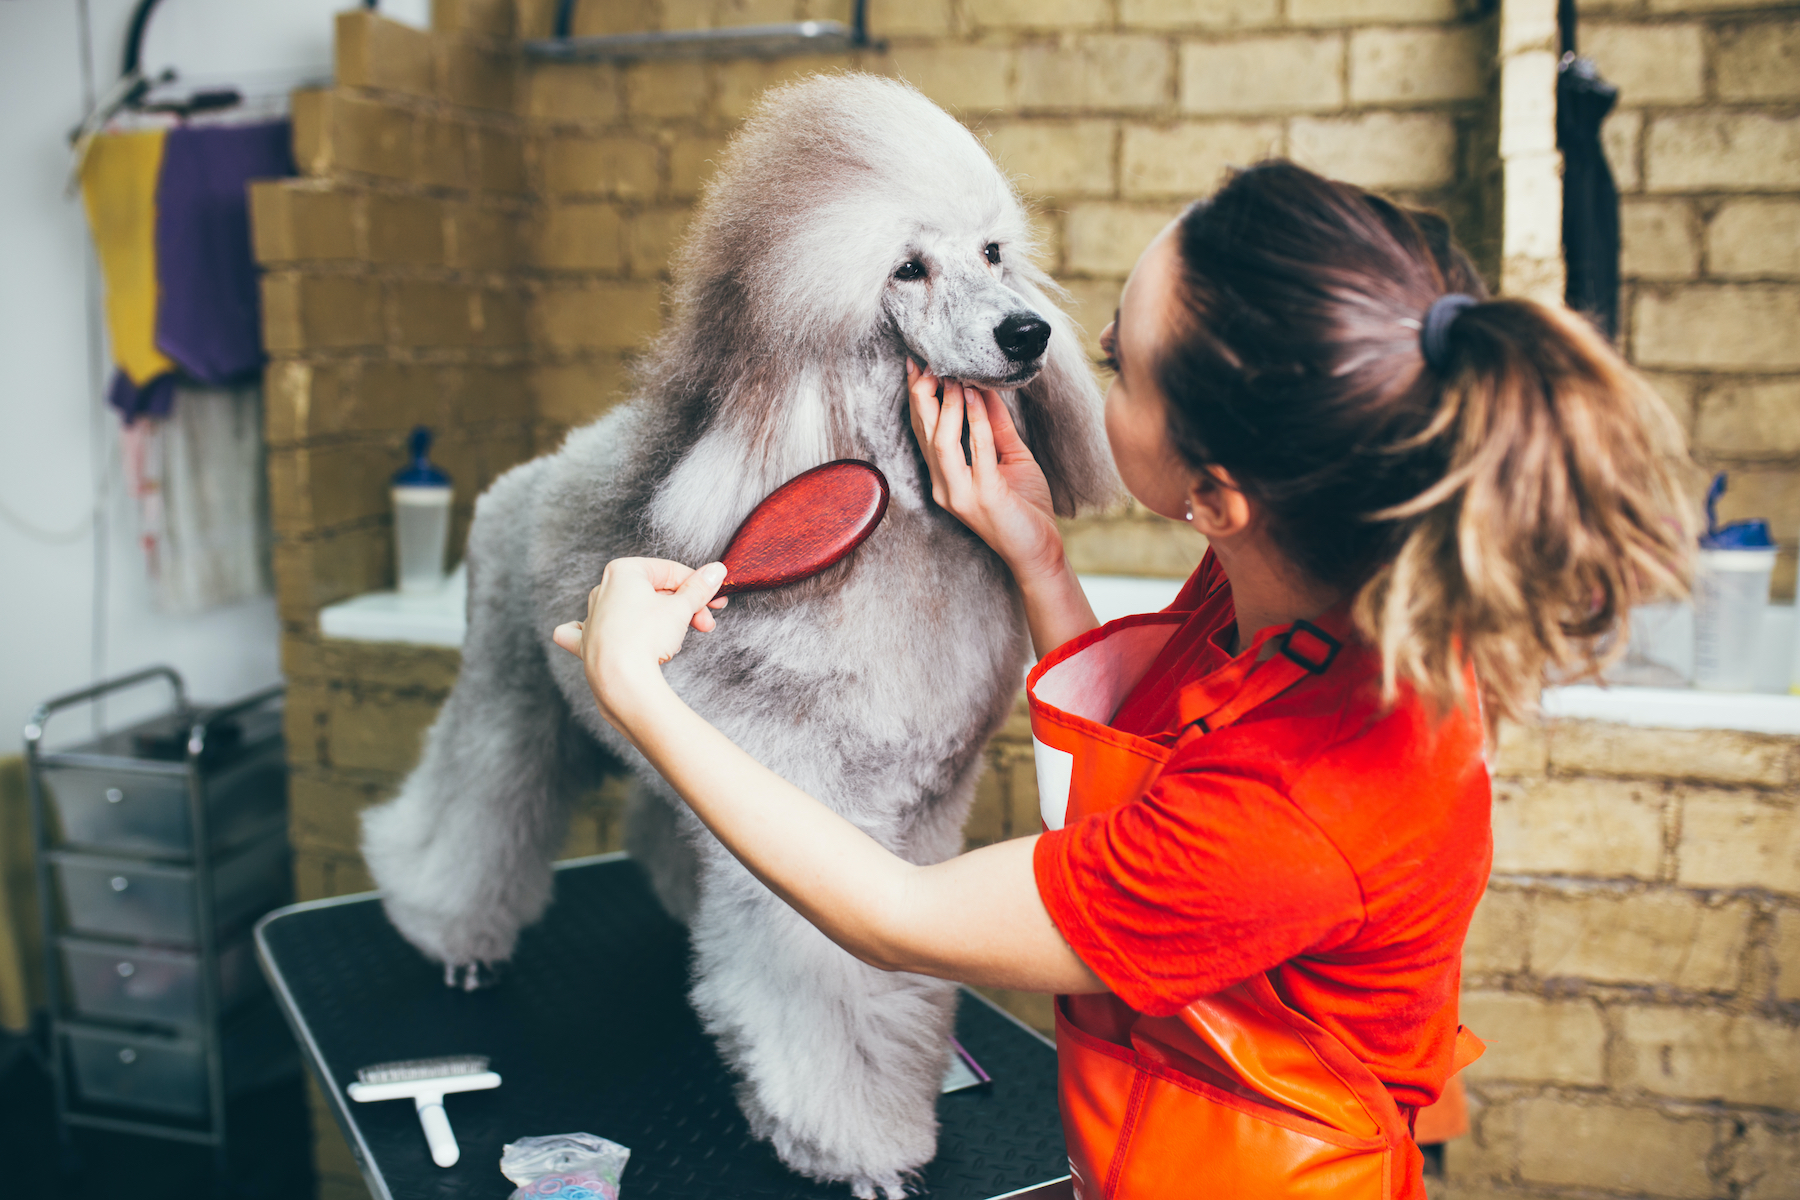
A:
x: 807, y: 524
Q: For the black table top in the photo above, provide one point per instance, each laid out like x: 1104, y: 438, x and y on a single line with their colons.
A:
x: 590, y: 1030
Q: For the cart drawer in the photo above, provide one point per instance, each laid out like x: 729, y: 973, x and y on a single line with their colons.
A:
x: 147, y: 812
x: 140, y: 983
x: 125, y: 898
x: 167, y: 1075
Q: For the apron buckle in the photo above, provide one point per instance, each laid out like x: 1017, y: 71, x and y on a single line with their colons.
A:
x: 1313, y: 666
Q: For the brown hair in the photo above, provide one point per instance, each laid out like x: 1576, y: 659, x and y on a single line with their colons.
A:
x: 1505, y: 510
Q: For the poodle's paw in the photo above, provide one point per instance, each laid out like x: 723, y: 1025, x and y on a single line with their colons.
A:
x: 884, y: 1187
x: 470, y: 977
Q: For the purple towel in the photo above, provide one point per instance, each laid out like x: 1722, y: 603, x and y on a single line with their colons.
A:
x: 154, y: 399
x: 208, y: 316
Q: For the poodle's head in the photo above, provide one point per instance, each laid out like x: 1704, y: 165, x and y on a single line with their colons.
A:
x: 853, y: 223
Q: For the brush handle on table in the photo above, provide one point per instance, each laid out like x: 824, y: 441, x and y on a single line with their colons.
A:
x: 436, y: 1124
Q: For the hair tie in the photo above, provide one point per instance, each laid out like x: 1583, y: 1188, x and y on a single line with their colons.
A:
x: 1434, y: 330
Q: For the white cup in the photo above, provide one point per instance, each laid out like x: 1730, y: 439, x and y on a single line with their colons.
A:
x: 1731, y: 590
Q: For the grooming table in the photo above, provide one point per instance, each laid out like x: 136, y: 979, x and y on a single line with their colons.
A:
x: 590, y: 1029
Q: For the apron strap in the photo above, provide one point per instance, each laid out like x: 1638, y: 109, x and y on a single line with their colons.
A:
x: 1302, y: 649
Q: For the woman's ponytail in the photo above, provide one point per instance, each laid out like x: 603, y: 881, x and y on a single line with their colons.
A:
x: 1486, y: 478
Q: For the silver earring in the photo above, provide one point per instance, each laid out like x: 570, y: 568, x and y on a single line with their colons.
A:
x: 1188, y: 512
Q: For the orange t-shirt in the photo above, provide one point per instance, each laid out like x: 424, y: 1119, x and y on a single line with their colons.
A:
x: 1337, y: 845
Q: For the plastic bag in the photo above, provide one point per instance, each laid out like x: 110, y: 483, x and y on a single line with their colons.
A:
x: 568, y: 1166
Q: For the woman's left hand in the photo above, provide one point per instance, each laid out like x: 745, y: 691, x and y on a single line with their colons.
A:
x: 637, y: 619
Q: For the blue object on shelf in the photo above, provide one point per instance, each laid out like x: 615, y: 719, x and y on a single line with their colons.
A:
x: 1738, y: 535
x: 422, y: 472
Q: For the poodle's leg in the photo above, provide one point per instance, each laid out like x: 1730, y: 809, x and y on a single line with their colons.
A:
x: 654, y: 838
x: 462, y: 855
x: 840, y: 1063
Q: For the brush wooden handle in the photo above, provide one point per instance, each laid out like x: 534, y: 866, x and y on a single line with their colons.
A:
x: 804, y: 526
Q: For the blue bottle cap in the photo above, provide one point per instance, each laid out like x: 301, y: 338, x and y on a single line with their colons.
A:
x: 1738, y: 535
x: 421, y: 473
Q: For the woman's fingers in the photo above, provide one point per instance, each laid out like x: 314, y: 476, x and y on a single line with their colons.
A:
x: 568, y: 636
x: 1007, y: 442
x: 981, y: 437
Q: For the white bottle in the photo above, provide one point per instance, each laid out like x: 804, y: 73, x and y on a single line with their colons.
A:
x: 422, y: 496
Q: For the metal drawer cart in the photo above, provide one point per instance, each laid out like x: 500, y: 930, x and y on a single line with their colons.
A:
x: 158, y: 846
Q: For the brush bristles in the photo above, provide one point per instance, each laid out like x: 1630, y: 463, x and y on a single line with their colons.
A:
x: 423, y: 1068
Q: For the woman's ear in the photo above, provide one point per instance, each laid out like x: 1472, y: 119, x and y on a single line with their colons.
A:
x: 1220, y: 508
x: 1060, y: 415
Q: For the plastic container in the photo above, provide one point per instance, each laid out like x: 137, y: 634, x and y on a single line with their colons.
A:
x: 422, y: 496
x: 141, y: 983
x: 1731, y: 590
x: 165, y: 1074
x: 128, y: 898
x: 147, y: 811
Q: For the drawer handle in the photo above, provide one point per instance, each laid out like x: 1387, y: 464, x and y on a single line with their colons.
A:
x: 126, y: 970
x: 128, y: 1056
x: 120, y: 883
x: 114, y: 796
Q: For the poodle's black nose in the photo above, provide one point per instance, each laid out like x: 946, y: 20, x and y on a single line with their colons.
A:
x: 1022, y: 337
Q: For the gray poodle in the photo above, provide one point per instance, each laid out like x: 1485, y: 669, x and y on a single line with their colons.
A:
x: 852, y: 223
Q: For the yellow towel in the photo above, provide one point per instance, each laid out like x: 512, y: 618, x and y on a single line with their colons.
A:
x: 118, y: 184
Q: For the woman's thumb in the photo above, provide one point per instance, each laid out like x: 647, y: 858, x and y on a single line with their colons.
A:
x: 699, y: 588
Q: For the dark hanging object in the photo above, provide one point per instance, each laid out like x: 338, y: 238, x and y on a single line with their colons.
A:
x: 1590, y: 198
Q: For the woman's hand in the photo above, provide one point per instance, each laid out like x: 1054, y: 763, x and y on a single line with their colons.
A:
x: 637, y: 620
x: 998, y: 490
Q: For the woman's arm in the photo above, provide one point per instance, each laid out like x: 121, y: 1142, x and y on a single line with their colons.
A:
x: 976, y: 918
x: 999, y: 491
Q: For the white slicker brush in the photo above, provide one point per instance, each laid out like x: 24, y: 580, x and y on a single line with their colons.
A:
x: 426, y: 1081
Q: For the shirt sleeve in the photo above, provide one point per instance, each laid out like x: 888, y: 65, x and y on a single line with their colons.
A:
x: 1209, y: 878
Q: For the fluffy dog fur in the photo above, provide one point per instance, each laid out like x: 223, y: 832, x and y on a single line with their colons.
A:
x: 873, y: 687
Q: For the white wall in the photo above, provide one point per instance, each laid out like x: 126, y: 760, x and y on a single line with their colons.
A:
x: 74, y: 604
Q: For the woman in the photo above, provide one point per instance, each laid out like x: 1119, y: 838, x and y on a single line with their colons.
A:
x: 1267, y: 810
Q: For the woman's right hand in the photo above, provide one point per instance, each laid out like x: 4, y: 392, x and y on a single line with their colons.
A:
x: 997, y: 489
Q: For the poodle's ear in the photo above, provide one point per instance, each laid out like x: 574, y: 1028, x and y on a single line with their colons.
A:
x: 1061, y: 416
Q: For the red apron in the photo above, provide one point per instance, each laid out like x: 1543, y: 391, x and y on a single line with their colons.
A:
x: 1238, y: 1094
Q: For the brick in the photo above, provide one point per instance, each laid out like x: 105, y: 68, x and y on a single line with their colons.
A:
x: 1523, y: 750
x: 1414, y: 66
x: 599, y: 166
x: 1531, y: 217
x: 1037, y: 14
x: 1755, y: 239
x: 499, y: 318
x: 1660, y: 937
x: 1190, y: 160
x: 1658, y: 240
x: 1705, y: 1054
x: 958, y: 77
x: 1198, y: 14
x: 430, y: 313
x: 1378, y: 150
x: 1603, y: 828
x: 1741, y: 151
x: 321, y: 312
x: 608, y: 316
x: 1784, y: 946
x: 483, y: 238
x: 481, y: 393
x: 617, y: 16
x: 322, y: 570
x: 338, y: 131
x: 742, y: 82
x: 1111, y: 546
x: 910, y: 18
x: 440, y: 152
x: 1499, y: 935
x: 1758, y: 61
x: 1056, y: 158
x: 1101, y: 71
x: 1621, y: 137
x: 405, y: 230
x: 1743, y: 326
x: 1285, y: 73
x: 1045, y: 240
x: 1650, y: 64
x: 1528, y: 25
x: 1713, y: 755
x: 323, y: 810
x: 474, y: 75
x: 651, y: 236
x: 574, y: 393
x: 316, y: 487
x: 292, y: 222
x: 1090, y: 305
x: 692, y: 162
x: 660, y: 90
x: 493, y: 18
x: 1739, y: 839
x: 1535, y: 1040
x: 577, y: 237
x: 499, y: 161
x: 1751, y: 420
x: 386, y: 55
x: 1766, y: 1163
x: 1368, y: 12
x: 1106, y: 238
x: 1677, y: 394
x: 574, y: 93
x: 1632, y: 1150
x: 1692, y: 6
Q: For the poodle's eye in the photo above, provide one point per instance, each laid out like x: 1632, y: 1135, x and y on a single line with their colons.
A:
x: 993, y: 253
x: 911, y: 270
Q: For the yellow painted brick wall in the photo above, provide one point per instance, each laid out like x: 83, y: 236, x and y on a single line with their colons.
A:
x: 1705, y: 144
